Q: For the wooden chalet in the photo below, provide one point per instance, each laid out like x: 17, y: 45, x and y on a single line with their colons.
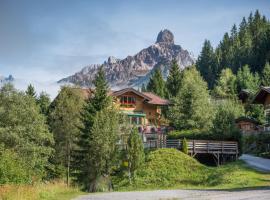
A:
x: 263, y: 97
x: 142, y: 108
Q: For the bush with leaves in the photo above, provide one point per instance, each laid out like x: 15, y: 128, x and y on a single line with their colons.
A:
x: 23, y: 129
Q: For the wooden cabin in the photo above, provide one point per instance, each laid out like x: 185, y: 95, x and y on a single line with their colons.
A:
x: 247, y: 125
x: 143, y: 108
x: 263, y: 97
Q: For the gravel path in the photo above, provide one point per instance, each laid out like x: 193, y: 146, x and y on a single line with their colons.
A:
x: 263, y: 194
x: 258, y: 163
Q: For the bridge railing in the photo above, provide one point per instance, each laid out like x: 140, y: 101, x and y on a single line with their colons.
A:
x: 205, y: 146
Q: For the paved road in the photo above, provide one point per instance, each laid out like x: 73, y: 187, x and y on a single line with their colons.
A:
x: 263, y: 194
x: 258, y: 163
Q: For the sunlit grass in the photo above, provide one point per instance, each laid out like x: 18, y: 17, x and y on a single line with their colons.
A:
x: 49, y: 191
x: 171, y: 169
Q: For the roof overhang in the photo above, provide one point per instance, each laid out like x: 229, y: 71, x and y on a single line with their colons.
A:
x: 261, y: 95
x: 123, y: 91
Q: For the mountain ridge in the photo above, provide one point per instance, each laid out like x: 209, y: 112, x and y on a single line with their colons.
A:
x: 133, y: 71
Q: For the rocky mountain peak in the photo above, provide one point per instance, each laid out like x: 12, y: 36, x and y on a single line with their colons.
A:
x: 133, y: 71
x: 165, y: 36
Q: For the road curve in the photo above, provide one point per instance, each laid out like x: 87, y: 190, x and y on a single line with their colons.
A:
x: 258, y: 163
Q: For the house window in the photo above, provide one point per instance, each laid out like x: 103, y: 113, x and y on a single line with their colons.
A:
x: 127, y: 100
x: 267, y: 116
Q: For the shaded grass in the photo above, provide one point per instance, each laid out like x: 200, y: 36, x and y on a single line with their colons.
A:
x: 49, y: 191
x: 171, y: 169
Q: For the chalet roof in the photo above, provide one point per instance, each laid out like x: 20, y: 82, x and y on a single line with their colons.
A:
x: 261, y: 95
x: 247, y: 119
x: 150, y: 97
x: 156, y: 100
x: 123, y: 91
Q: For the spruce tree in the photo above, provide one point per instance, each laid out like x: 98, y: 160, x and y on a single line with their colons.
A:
x: 31, y: 91
x: 206, y: 63
x: 266, y: 75
x: 44, y: 103
x: 157, y: 84
x: 99, y: 100
x: 174, y: 79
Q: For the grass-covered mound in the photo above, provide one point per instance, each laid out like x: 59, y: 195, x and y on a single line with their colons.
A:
x: 170, y: 169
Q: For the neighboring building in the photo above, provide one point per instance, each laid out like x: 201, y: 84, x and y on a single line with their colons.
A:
x: 244, y: 95
x: 263, y: 97
x: 247, y: 125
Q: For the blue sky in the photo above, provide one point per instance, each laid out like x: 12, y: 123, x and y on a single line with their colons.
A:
x: 43, y: 41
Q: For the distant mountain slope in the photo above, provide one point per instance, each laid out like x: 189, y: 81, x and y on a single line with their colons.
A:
x: 135, y: 70
x: 4, y: 80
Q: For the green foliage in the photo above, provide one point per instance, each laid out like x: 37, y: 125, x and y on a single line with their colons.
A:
x: 157, y: 84
x: 65, y: 123
x: 226, y: 113
x: 135, y: 152
x: 96, y: 139
x: 247, y: 80
x: 256, y: 111
x: 44, y: 103
x: 256, y: 144
x: 247, y: 44
x: 226, y: 84
x: 31, y: 91
x: 23, y: 129
x: 174, y: 79
x: 13, y: 168
x: 207, y: 64
x: 266, y: 75
x: 102, y: 146
x: 184, y: 146
x: 192, y: 108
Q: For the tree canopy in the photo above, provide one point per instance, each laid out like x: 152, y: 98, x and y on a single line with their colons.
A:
x: 192, y: 108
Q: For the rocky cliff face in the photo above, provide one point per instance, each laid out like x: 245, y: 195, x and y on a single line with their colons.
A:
x: 135, y: 70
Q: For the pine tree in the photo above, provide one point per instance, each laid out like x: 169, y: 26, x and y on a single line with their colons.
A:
x: 44, y: 102
x: 31, y: 91
x: 174, y: 79
x: 206, y: 63
x: 266, y: 75
x: 157, y: 84
x: 135, y: 152
x: 102, y: 152
x: 99, y: 100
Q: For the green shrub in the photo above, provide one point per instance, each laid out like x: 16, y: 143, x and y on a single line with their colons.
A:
x: 185, y: 146
x: 13, y: 169
x: 256, y: 144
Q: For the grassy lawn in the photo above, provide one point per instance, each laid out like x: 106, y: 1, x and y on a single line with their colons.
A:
x: 171, y: 169
x: 164, y: 169
x: 50, y: 191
